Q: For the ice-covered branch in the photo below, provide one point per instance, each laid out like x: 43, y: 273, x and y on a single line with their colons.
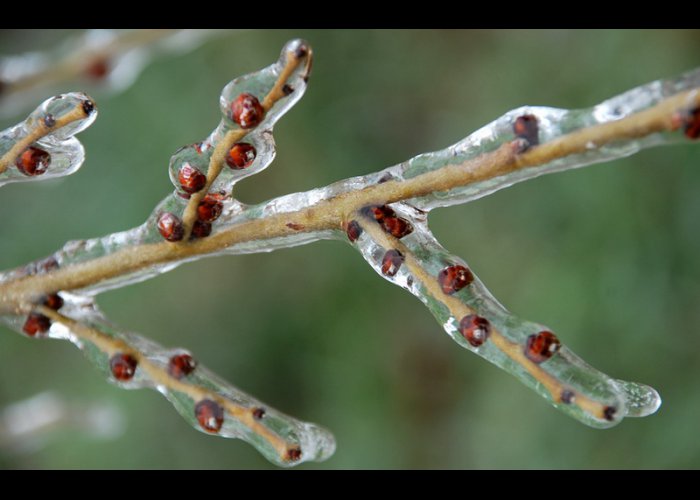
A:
x: 383, y: 214
x: 400, y: 247
x: 520, y: 145
x: 254, y: 120
x: 43, y: 144
x: 101, y: 59
x: 207, y: 402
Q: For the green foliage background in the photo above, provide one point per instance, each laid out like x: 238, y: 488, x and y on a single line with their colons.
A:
x: 606, y: 256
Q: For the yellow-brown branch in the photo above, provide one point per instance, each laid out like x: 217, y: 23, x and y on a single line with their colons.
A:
x: 77, y: 63
x: 160, y: 377
x: 459, y: 309
x: 330, y: 213
x: 218, y: 157
x: 40, y: 130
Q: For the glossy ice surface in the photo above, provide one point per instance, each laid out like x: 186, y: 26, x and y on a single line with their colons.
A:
x: 629, y: 399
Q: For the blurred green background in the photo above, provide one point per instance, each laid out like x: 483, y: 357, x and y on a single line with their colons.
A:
x: 606, y: 256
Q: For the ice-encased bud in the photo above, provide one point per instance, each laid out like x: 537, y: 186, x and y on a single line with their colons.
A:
x: 56, y: 153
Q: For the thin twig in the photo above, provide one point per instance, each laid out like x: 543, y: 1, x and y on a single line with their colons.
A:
x: 458, y: 309
x: 160, y: 377
x: 77, y: 62
x: 41, y: 129
x: 330, y: 213
x: 218, y: 157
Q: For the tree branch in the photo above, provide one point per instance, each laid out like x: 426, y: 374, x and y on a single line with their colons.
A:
x: 331, y: 212
x: 384, y: 215
x: 190, y: 386
x: 48, y: 124
x: 79, y: 62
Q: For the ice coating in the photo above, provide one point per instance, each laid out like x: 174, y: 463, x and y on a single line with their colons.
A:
x: 199, y: 155
x: 384, y: 215
x: 48, y: 130
x: 98, y: 60
x: 552, y: 123
x: 589, y: 390
x: 273, y: 435
x: 258, y: 143
x: 280, y: 438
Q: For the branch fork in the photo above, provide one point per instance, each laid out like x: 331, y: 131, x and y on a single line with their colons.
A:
x: 383, y: 215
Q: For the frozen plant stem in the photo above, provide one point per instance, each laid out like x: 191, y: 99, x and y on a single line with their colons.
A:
x: 328, y: 214
x: 80, y: 111
x: 163, y: 377
x: 218, y: 157
x: 106, y: 61
x: 384, y: 215
x: 78, y: 62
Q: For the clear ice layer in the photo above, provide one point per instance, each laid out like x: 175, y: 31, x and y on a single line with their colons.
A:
x: 102, y: 61
x: 314, y: 442
x: 66, y: 153
x: 569, y: 372
x: 563, y: 379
